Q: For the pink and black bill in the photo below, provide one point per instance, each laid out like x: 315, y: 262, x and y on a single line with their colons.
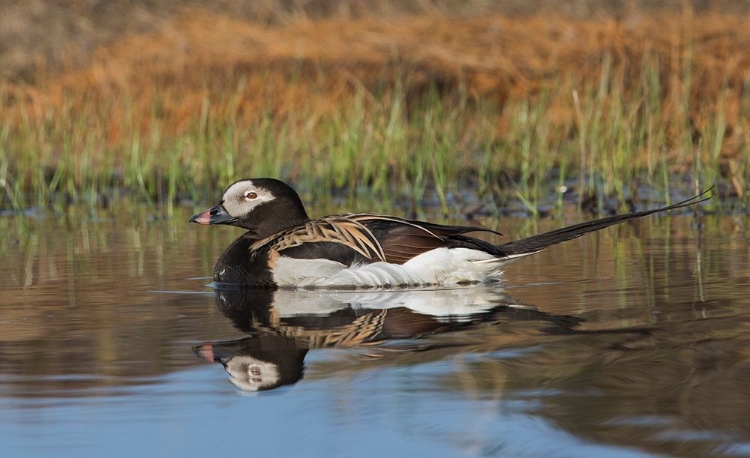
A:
x: 214, y: 215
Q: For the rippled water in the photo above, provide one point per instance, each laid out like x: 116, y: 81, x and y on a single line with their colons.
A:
x: 630, y: 342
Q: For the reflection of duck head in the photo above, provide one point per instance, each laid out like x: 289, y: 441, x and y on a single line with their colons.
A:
x: 284, y: 324
x: 260, y: 362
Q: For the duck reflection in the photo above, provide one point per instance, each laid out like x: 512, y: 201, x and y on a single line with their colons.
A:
x: 283, y: 325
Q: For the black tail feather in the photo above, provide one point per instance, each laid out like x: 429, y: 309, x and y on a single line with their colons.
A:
x: 539, y: 242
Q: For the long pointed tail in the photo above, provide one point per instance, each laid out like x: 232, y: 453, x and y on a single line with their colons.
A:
x: 533, y: 244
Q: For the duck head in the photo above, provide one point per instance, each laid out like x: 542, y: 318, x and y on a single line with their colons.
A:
x: 263, y: 206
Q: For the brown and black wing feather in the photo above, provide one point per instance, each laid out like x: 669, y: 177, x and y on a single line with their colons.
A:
x: 337, y: 238
x: 366, y: 238
x: 402, y: 240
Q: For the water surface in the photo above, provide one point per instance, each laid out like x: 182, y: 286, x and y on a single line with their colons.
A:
x: 629, y: 342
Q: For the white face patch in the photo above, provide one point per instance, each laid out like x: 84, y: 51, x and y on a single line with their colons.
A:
x: 250, y: 374
x: 242, y: 197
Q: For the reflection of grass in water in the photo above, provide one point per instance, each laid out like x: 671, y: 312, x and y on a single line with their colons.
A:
x: 631, y: 114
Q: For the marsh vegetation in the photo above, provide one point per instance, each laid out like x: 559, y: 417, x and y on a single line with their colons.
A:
x: 403, y: 105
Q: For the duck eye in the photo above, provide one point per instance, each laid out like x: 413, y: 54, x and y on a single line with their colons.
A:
x: 250, y: 195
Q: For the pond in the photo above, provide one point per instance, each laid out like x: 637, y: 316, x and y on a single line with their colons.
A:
x: 628, y: 342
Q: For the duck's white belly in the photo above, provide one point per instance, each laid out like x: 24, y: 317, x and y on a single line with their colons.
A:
x: 442, y: 266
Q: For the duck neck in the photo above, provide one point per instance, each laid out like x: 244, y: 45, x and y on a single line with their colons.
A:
x: 268, y: 220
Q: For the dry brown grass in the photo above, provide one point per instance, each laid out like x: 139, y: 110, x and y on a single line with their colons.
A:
x: 496, y: 56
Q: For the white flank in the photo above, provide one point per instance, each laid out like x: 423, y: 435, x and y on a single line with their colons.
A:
x: 439, y: 267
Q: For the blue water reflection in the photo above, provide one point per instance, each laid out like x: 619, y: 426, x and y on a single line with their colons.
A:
x: 354, y: 417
